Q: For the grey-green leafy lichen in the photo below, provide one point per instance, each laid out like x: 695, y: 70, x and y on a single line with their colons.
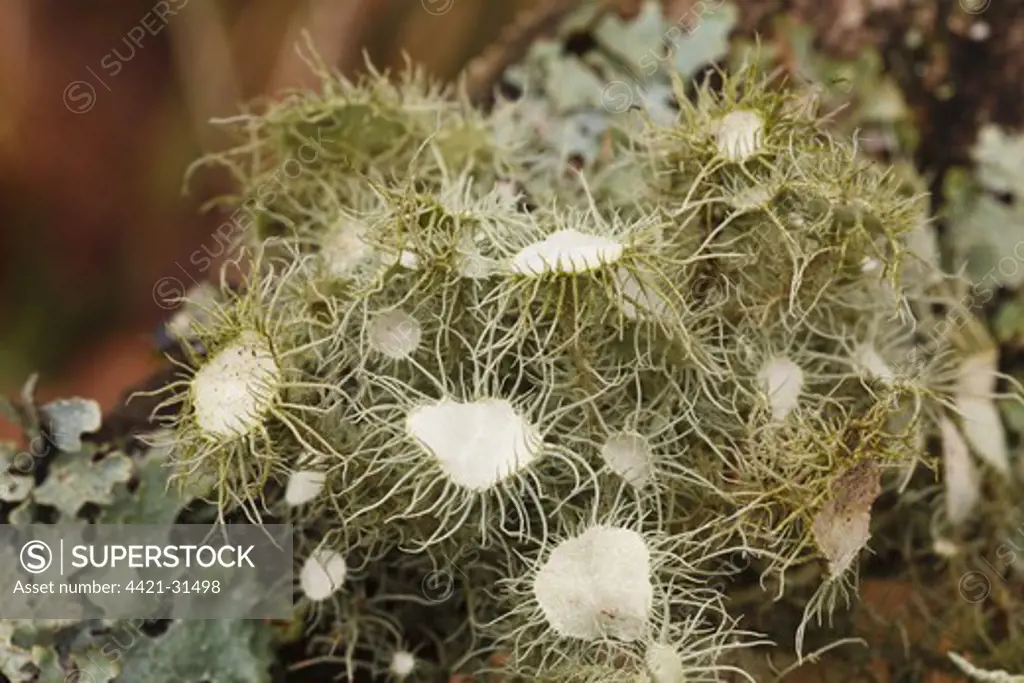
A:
x: 523, y: 407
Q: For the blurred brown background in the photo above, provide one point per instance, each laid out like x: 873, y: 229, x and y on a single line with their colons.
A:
x: 104, y: 105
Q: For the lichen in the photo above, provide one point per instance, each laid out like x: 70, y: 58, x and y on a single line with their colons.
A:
x: 467, y: 345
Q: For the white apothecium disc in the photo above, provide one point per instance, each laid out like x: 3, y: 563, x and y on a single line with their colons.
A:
x: 597, y: 585
x: 322, y: 574
x: 568, y: 252
x: 477, y: 444
x: 233, y: 390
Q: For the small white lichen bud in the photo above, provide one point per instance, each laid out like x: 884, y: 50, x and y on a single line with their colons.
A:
x: 395, y: 334
x: 943, y: 547
x: 597, y: 585
x: 664, y: 664
x: 782, y: 381
x: 871, y: 363
x: 322, y: 574
x: 402, y: 664
x: 869, y: 264
x: 199, y: 300
x: 475, y: 266
x: 505, y: 194
x: 979, y: 31
x: 233, y: 390
x: 408, y: 259
x: 343, y: 248
x: 471, y: 263
x: 304, y: 486
x: 629, y: 456
x: 404, y: 258
x: 638, y: 299
x: 738, y: 134
x: 568, y: 252
x: 477, y: 444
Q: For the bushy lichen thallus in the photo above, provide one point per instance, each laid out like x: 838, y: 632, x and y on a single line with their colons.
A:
x: 603, y: 385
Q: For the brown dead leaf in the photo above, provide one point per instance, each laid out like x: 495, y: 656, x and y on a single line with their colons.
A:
x: 841, y: 528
